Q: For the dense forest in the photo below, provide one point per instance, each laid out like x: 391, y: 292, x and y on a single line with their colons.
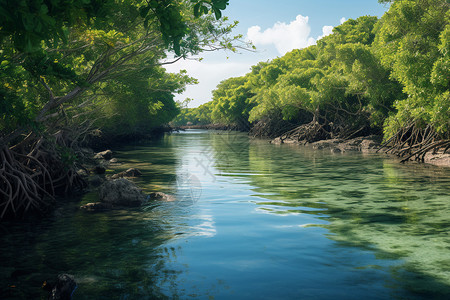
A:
x: 387, y: 76
x: 71, y: 70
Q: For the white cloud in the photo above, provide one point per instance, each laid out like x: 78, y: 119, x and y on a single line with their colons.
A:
x: 214, y: 68
x: 326, y: 30
x: 209, y: 76
x: 285, y: 37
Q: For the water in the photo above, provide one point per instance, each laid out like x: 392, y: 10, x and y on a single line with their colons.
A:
x: 251, y: 221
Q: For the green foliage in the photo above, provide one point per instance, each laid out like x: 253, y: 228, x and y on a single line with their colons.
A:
x: 232, y: 102
x: 172, y: 23
x: 140, y: 103
x: 413, y: 41
x: 368, y: 74
x: 28, y: 22
x: 340, y: 82
x: 96, y: 62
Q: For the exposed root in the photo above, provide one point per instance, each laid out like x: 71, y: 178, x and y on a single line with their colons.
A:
x: 413, y: 143
x: 306, y: 133
x: 332, y: 122
x: 316, y: 131
x: 271, y: 126
x: 33, y: 171
x: 23, y: 183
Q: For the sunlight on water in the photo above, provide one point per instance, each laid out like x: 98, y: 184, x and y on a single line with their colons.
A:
x: 251, y: 220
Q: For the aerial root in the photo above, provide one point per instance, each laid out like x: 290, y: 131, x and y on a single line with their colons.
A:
x: 31, y: 176
x: 413, y: 143
x: 20, y: 187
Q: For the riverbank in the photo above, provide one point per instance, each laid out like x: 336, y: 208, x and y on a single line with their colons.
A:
x: 209, y: 127
x: 115, y: 186
x: 368, y: 144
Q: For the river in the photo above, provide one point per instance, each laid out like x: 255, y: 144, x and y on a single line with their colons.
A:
x: 251, y: 220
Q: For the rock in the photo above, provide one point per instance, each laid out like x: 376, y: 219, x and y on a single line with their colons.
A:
x: 132, y: 172
x: 96, y: 180
x: 276, y: 141
x: 349, y: 147
x: 82, y: 172
x: 97, y: 206
x: 438, y: 159
x: 62, y: 289
x: 99, y: 169
x: 121, y: 192
x: 336, y: 150
x: 161, y: 196
x: 107, y: 154
x: 370, y: 143
x: 113, y: 160
x: 364, y: 144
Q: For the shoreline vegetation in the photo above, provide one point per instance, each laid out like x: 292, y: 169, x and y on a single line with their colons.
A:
x: 387, y: 77
x: 365, y: 144
x: 73, y: 71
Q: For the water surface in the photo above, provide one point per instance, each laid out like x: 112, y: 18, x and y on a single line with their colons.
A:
x: 251, y: 221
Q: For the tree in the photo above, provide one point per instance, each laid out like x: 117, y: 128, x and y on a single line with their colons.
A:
x: 232, y: 103
x: 413, y: 41
x: 334, y: 89
x: 58, y: 62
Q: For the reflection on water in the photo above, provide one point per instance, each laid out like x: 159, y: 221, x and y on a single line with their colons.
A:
x: 251, y: 221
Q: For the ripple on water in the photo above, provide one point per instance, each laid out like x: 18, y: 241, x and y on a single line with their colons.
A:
x: 270, y: 222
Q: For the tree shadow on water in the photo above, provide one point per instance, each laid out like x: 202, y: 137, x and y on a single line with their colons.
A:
x: 407, y: 279
x: 112, y: 255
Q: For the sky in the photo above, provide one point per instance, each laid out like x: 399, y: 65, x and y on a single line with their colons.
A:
x: 275, y: 28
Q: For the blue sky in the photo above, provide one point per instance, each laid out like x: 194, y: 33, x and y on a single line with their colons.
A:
x: 275, y: 27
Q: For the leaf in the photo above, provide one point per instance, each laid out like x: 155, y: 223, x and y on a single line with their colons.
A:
x: 220, y: 4
x: 217, y: 13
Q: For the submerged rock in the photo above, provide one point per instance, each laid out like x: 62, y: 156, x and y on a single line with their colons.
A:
x: 161, y: 196
x: 62, y: 289
x: 121, y: 192
x: 365, y: 144
x: 96, y: 180
x: 99, y: 169
x: 107, y: 154
x: 97, y: 206
x: 132, y: 172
